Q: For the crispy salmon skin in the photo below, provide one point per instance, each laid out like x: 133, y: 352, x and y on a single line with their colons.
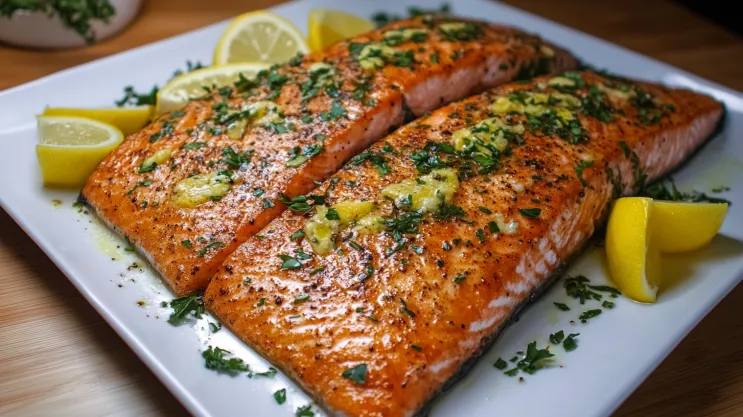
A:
x: 375, y: 290
x: 196, y: 183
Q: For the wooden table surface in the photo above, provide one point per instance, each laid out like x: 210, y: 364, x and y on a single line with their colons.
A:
x: 59, y: 358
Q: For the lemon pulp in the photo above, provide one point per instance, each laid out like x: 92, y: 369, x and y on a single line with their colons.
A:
x: 327, y: 27
x: 259, y: 36
x: 70, y: 148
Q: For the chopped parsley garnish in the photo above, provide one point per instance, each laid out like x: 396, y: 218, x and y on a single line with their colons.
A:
x: 480, y: 235
x: 660, y: 191
x: 579, y: 288
x: 184, y: 306
x: 459, y: 278
x: 531, y: 213
x: 332, y: 214
x: 215, y: 359
x: 416, y: 348
x: 607, y: 304
x: 301, y: 203
x: 406, y: 223
x: 557, y: 338
x: 357, y: 374
x: 304, y: 411
x: 280, y: 396
x: 380, y: 19
x: 234, y: 159
x: 579, y: 170
x: 427, y: 159
x: 146, y: 183
x: 376, y: 159
x: 297, y: 235
x: 550, y: 124
x: 500, y: 364
x: 301, y: 298
x: 405, y: 310
x: 267, y: 203
x: 562, y: 306
x: 147, y: 168
x: 337, y: 110
x: 186, y: 243
x: 589, y: 314
x: 281, y: 127
x: 493, y: 227
x: 417, y: 249
x: 307, y: 152
x: 570, y: 344
x: 640, y: 178
x: 368, y: 272
x: 165, y: 129
x: 532, y: 362
x: 648, y: 112
x: 461, y: 31
x: 449, y: 211
x: 594, y: 105
x: 194, y: 145
x: 138, y: 99
x: 214, y: 327
x: 210, y: 245
x: 388, y: 149
x: 289, y: 262
x: 404, y: 59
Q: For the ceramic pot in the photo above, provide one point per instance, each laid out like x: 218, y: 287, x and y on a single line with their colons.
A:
x: 38, y: 30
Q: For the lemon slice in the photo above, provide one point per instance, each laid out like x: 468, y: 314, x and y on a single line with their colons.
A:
x: 127, y: 119
x: 682, y: 227
x: 259, y: 36
x: 327, y: 27
x: 176, y: 93
x: 70, y: 148
x: 640, y: 229
x: 634, y: 263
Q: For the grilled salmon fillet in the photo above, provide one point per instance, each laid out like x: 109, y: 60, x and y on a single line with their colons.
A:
x: 378, y: 288
x: 192, y: 186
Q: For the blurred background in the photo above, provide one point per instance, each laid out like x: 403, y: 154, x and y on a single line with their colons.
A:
x: 664, y: 29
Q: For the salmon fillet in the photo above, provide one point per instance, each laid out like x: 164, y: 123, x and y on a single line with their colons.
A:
x: 191, y: 187
x: 376, y: 297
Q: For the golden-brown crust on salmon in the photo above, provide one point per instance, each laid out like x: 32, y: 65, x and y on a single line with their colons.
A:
x: 411, y: 306
x: 330, y: 119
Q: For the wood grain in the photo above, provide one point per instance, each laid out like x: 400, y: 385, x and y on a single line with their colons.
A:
x: 58, y: 357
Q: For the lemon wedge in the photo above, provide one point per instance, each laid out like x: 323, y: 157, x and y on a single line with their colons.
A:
x: 327, y: 27
x: 259, y: 36
x: 70, y: 148
x: 176, y: 93
x: 640, y: 229
x: 682, y: 227
x: 634, y: 263
x: 127, y: 119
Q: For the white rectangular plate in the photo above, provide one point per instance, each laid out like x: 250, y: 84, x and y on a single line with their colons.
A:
x: 617, y: 350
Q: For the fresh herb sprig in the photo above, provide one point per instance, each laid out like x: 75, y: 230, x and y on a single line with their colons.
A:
x: 135, y: 98
x: 183, y: 307
x: 665, y: 189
